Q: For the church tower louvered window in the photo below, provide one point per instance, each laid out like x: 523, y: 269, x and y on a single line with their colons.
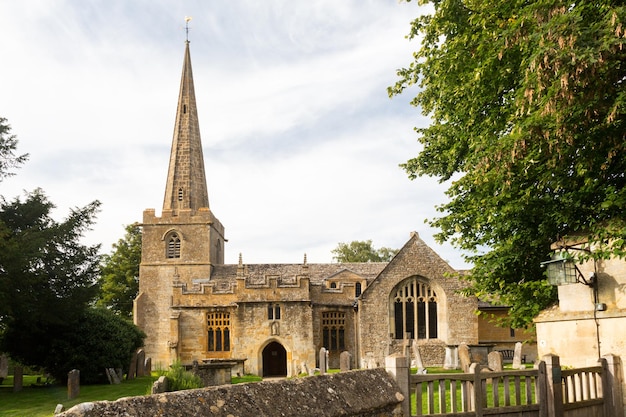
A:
x: 173, y: 246
x: 414, y: 310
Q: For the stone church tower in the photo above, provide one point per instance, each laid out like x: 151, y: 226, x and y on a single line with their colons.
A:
x: 187, y: 240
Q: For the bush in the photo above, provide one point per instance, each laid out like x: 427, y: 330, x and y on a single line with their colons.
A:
x: 99, y: 339
x: 178, y: 378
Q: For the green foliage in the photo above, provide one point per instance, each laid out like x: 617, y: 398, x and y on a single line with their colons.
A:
x: 362, y: 251
x: 179, y: 379
x: 8, y: 145
x: 527, y: 102
x: 119, y: 280
x: 99, y: 339
x: 47, y: 277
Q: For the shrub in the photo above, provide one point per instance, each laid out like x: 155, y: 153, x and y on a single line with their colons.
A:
x: 178, y: 378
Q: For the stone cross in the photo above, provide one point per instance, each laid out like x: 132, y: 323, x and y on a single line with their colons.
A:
x: 73, y: 384
x: 345, y: 360
x: 323, y: 356
x: 517, y: 356
x: 494, y: 360
x: 464, y: 357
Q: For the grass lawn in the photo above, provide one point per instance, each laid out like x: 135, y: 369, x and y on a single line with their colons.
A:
x: 42, y: 400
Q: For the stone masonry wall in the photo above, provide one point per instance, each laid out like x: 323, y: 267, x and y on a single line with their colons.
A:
x: 365, y: 393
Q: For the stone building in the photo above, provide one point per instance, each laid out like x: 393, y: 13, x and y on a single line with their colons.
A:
x: 274, y: 318
x: 588, y: 321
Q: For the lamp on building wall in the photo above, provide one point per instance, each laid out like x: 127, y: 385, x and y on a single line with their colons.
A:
x: 562, y: 270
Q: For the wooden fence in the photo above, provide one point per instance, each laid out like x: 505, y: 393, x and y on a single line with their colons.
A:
x: 545, y: 391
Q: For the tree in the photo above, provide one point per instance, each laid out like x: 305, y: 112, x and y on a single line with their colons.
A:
x: 119, y: 281
x: 8, y: 145
x: 100, y: 339
x: 47, y: 277
x: 527, y: 103
x: 362, y: 251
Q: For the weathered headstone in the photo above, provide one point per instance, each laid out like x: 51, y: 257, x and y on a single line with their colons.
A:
x: 160, y: 385
x: 113, y: 378
x: 59, y: 409
x: 141, y: 362
x: 345, y: 361
x: 305, y: 368
x: 4, y: 367
x: 132, y: 370
x: 322, y: 358
x: 417, y: 357
x: 73, y: 384
x: 451, y: 360
x: 464, y: 357
x: 18, y: 378
x: 517, y: 356
x: 494, y: 360
x: 148, y: 367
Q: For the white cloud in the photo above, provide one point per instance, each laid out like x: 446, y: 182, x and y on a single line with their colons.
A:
x: 302, y: 144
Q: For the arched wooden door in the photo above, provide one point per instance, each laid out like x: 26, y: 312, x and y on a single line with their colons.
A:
x: 274, y: 360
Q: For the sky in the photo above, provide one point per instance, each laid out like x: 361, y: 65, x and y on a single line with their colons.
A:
x: 302, y: 144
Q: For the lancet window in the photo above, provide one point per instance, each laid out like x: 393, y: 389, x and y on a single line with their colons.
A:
x: 173, y: 246
x: 414, y: 310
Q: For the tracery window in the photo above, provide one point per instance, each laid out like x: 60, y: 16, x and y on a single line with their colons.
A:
x: 218, y: 331
x: 333, y: 330
x: 173, y: 246
x: 414, y: 310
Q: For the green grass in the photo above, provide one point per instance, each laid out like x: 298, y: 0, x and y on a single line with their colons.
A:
x: 41, y: 401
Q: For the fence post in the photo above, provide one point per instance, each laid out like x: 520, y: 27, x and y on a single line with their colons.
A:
x: 479, y: 392
x: 612, y: 376
x: 541, y: 389
x: 554, y: 386
x: 398, y: 367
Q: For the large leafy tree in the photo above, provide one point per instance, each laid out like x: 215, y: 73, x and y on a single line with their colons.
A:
x: 47, y: 276
x: 527, y: 103
x: 362, y: 251
x: 119, y: 281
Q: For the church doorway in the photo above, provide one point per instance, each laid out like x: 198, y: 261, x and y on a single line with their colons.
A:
x: 274, y: 360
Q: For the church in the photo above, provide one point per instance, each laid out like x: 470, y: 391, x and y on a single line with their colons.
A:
x: 272, y: 319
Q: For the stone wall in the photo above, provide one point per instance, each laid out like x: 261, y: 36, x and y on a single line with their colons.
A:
x: 366, y: 393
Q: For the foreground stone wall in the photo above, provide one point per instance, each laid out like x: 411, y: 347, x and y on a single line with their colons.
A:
x: 365, y: 393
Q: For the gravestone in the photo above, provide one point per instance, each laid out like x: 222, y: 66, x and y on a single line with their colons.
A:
x: 417, y: 358
x: 4, y: 367
x: 112, y: 375
x: 160, y: 385
x: 323, y: 357
x: 73, y: 384
x: 132, y: 370
x: 141, y: 362
x: 517, y: 357
x: 148, y: 367
x: 464, y: 357
x: 18, y: 378
x: 451, y: 360
x: 494, y: 360
x: 305, y: 368
x: 345, y: 360
x: 59, y: 409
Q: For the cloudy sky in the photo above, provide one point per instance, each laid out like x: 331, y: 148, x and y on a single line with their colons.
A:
x: 301, y: 142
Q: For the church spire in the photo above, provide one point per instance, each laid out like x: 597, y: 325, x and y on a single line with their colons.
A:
x: 186, y: 187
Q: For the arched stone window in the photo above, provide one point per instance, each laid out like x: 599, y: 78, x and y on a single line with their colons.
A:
x: 173, y: 246
x: 218, y: 332
x: 413, y: 310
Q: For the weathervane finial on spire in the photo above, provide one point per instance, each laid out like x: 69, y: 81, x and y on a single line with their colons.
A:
x: 187, y: 19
